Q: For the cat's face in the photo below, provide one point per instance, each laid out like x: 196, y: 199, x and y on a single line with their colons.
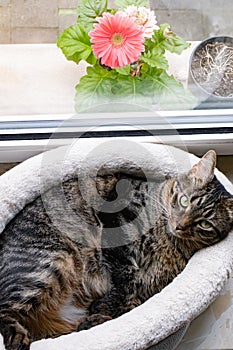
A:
x: 199, y: 208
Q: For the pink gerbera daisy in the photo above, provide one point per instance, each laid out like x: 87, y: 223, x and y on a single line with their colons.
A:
x: 117, y: 40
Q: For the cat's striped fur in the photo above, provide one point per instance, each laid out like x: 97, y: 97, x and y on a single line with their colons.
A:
x: 103, y: 263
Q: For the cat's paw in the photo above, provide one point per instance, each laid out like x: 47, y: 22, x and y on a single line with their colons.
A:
x: 92, y: 321
x: 16, y: 337
x: 101, y: 306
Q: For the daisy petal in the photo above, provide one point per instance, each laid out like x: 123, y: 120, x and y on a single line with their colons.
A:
x: 117, y: 39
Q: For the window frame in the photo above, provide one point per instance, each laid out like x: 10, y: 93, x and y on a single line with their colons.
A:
x: 197, y: 130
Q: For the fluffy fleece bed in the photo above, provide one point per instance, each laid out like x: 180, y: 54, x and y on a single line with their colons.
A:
x: 161, y: 321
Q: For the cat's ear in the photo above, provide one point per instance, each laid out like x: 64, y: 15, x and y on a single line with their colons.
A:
x: 203, y: 171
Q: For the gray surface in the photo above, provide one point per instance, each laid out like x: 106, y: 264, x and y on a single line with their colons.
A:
x: 33, y: 21
x: 171, y: 342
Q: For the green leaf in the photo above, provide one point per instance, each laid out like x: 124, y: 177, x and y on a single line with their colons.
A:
x: 122, y: 4
x: 95, y: 88
x: 88, y: 10
x: 155, y: 60
x: 133, y: 91
x: 168, y: 93
x: 75, y: 44
x: 173, y: 42
x: 164, y: 39
x: 154, y: 89
x: 176, y: 45
x: 124, y: 70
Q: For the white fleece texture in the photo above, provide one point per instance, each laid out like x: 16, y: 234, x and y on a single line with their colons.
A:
x: 180, y: 302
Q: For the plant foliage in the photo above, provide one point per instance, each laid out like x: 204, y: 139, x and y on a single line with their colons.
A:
x: 144, y: 82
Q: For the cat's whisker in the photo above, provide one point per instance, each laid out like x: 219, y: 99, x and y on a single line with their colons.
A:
x: 157, y: 203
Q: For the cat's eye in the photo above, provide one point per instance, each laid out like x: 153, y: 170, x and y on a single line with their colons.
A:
x: 205, y: 224
x: 184, y: 201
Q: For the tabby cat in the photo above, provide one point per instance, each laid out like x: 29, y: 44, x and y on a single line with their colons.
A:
x: 54, y: 281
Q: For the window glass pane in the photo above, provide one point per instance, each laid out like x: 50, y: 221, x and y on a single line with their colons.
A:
x: 37, y: 82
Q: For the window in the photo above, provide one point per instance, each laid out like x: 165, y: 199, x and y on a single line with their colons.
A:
x: 37, y: 84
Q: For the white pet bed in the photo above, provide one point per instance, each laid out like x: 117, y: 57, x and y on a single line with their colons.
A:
x: 161, y: 321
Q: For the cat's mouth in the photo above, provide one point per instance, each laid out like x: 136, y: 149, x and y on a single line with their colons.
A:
x: 178, y: 231
x: 181, y: 233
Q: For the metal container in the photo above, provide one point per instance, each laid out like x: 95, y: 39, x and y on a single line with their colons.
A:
x: 207, y: 99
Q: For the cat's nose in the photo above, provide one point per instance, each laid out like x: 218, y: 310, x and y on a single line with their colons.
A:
x: 180, y: 227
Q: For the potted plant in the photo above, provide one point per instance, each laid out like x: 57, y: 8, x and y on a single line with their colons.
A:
x: 125, y: 50
x: 211, y: 72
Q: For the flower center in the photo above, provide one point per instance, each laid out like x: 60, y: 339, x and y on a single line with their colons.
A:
x: 117, y: 39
